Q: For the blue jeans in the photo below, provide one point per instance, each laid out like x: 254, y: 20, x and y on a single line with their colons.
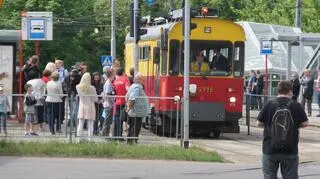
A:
x: 288, y: 166
x: 3, y: 119
x: 107, y: 121
x: 53, y: 115
x: 118, y: 128
x: 74, y: 107
x: 253, y: 100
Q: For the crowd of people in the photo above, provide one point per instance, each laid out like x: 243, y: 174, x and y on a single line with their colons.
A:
x: 96, y: 101
x: 301, y: 86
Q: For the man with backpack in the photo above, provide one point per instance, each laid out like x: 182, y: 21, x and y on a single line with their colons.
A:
x: 281, y: 119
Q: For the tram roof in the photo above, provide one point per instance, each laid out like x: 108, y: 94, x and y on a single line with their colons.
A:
x: 154, y: 32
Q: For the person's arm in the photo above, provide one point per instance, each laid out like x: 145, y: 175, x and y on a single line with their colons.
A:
x: 263, y: 115
x: 304, y: 124
x: 60, y: 90
x: 132, y: 97
x: 8, y: 105
x: 94, y: 93
x: 260, y: 124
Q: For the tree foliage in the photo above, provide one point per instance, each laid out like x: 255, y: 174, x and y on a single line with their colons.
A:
x: 75, y: 21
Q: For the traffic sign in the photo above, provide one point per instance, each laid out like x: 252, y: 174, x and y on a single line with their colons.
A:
x: 36, y: 25
x: 37, y: 29
x: 151, y: 2
x: 266, y: 47
x: 107, y: 61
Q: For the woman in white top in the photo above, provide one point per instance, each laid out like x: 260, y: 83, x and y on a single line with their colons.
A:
x: 53, y: 102
x: 87, y: 98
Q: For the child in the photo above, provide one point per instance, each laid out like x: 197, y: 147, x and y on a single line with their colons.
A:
x: 108, y: 90
x: 4, y: 105
x: 30, y: 110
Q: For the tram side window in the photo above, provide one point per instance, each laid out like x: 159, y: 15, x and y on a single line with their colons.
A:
x: 144, y: 53
x: 174, y: 57
x: 238, y: 65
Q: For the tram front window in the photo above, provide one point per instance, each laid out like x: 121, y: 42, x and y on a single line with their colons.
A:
x: 210, y: 58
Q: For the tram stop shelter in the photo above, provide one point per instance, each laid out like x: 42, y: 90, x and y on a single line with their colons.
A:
x: 292, y: 50
x: 9, y: 43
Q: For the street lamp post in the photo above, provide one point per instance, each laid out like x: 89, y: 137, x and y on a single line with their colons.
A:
x: 136, y: 46
x: 186, y: 99
x: 113, y: 30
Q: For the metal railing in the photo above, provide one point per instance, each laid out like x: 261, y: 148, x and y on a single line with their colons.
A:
x: 252, y: 107
x: 60, y: 120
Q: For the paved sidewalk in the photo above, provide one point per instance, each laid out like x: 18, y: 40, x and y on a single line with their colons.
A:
x: 66, y: 168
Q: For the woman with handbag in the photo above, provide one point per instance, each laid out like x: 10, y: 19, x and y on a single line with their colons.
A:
x: 137, y: 108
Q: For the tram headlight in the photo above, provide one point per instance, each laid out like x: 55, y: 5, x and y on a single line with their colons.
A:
x: 193, y: 89
x: 233, y: 99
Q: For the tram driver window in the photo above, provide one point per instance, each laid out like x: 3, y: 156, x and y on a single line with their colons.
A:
x: 211, y: 58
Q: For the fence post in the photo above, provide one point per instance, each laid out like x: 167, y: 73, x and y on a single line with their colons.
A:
x: 182, y: 126
x: 177, y: 120
x: 248, y: 112
x: 69, y: 105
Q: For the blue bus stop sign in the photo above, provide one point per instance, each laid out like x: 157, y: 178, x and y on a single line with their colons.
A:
x: 107, y: 61
x: 266, y: 47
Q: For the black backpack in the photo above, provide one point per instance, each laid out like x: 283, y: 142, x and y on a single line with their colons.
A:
x: 282, y: 128
x: 30, y: 101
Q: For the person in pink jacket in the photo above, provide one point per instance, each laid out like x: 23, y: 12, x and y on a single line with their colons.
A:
x: 87, y: 98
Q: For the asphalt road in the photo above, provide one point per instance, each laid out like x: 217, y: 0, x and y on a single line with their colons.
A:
x: 243, y: 148
x: 66, y: 168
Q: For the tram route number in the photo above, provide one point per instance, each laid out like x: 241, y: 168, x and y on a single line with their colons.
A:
x: 206, y: 89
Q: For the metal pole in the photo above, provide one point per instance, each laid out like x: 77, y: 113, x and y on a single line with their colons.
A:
x: 177, y: 120
x: 267, y: 77
x: 38, y: 49
x: 136, y: 47
x: 299, y: 14
x: 186, y: 73
x: 288, y: 71
x: 21, y: 79
x: 113, y: 30
x: 300, y: 55
x: 248, y: 112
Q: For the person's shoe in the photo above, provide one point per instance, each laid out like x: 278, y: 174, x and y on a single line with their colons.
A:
x: 27, y: 134
x: 318, y: 115
x: 59, y: 131
x: 34, y: 134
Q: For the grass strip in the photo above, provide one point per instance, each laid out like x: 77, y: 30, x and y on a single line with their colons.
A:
x: 113, y: 150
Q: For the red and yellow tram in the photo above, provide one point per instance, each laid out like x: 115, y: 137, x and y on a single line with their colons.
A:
x: 216, y: 102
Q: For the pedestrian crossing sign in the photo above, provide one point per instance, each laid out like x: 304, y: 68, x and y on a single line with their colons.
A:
x: 107, y: 61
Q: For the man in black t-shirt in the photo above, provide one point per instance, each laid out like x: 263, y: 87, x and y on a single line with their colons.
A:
x: 286, y: 157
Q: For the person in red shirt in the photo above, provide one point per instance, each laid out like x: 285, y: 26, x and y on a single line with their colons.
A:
x: 46, y: 76
x: 121, y: 85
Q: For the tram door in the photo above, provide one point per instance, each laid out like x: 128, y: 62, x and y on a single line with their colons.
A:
x: 156, y: 70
